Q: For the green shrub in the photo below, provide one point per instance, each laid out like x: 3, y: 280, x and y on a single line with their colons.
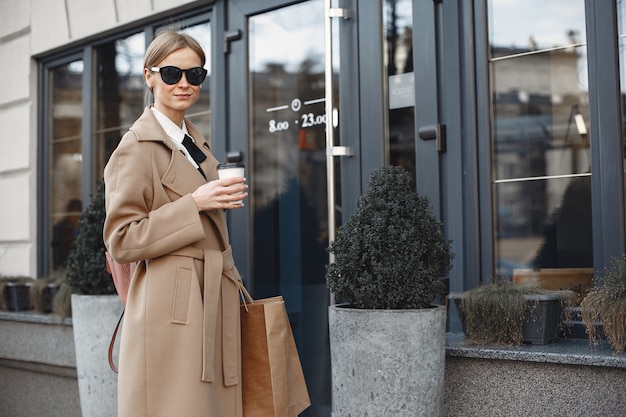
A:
x: 391, y: 254
x: 86, y: 266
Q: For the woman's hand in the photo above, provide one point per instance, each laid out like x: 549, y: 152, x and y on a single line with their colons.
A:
x: 220, y: 194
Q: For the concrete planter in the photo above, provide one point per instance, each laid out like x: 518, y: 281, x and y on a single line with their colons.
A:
x: 387, y: 362
x: 94, y: 318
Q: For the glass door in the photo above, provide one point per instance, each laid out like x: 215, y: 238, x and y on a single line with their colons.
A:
x: 288, y: 176
x: 277, y: 94
x: 319, y: 94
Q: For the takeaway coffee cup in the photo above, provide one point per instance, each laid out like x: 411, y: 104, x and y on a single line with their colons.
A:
x: 230, y: 170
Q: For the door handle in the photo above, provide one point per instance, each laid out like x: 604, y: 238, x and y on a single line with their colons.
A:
x: 340, y: 151
x: 436, y: 132
x: 231, y: 36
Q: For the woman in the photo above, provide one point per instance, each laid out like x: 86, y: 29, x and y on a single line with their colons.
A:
x: 180, y: 348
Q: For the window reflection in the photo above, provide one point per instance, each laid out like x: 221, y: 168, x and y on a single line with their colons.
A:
x: 200, y: 113
x: 120, y: 93
x: 398, y: 61
x: 540, y: 135
x: 288, y: 174
x: 65, y: 176
x: 121, y: 90
x: 117, y: 83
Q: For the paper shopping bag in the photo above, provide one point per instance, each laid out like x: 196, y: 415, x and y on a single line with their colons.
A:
x: 273, y: 381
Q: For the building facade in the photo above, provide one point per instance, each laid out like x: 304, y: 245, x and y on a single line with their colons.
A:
x: 509, y: 115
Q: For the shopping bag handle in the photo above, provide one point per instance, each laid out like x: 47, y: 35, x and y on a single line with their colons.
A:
x: 245, y: 296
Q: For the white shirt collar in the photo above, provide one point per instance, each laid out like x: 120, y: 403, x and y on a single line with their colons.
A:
x: 173, y: 131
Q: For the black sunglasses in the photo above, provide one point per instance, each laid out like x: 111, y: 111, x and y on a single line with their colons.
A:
x: 171, y: 75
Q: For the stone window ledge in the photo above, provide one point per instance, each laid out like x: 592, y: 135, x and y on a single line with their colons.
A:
x: 33, y: 317
x: 564, y: 351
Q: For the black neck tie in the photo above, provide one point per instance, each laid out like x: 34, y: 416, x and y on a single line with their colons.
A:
x: 195, y: 152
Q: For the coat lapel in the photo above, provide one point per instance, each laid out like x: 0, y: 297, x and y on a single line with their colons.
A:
x: 180, y: 176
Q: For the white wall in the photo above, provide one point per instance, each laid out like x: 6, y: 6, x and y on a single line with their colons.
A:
x: 18, y: 155
x: 28, y: 29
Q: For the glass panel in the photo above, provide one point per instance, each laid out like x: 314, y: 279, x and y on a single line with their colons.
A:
x: 65, y: 176
x: 542, y: 161
x: 120, y: 93
x: 398, y: 61
x: 121, y: 90
x: 288, y: 178
x: 621, y: 27
x: 200, y: 113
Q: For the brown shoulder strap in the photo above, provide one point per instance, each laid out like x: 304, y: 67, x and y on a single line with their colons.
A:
x: 112, y: 344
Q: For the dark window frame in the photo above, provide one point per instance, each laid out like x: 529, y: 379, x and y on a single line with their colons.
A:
x: 85, y: 52
x: 472, y: 53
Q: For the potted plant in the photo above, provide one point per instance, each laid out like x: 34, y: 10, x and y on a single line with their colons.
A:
x: 95, y: 311
x: 43, y: 291
x: 604, y: 308
x: 62, y: 301
x: 387, y: 340
x: 506, y: 313
x: 14, y: 293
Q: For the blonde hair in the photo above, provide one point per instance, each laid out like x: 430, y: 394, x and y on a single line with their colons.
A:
x: 164, y: 43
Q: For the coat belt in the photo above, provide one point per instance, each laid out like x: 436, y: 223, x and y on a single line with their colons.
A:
x: 219, y: 265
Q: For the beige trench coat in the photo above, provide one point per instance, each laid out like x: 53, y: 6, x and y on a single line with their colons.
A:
x: 180, y: 349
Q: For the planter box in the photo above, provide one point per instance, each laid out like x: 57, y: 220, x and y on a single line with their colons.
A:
x: 16, y: 295
x: 575, y: 328
x: 49, y: 292
x: 542, y: 324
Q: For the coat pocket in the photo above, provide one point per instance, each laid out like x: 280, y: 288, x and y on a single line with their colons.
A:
x: 182, y: 289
